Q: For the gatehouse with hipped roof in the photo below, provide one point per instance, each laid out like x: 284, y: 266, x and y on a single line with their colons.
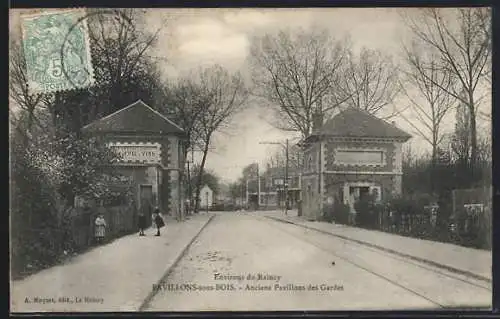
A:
x: 150, y: 148
x: 349, y: 156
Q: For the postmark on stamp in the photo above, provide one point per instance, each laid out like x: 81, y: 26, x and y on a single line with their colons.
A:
x: 57, y: 51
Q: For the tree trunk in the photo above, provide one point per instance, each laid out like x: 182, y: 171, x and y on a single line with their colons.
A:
x: 433, y: 163
x: 27, y: 135
x: 199, y: 179
x: 473, y: 136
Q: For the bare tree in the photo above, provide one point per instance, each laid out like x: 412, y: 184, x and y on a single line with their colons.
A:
x: 185, y: 104
x: 120, y: 50
x: 371, y: 81
x: 483, y: 18
x: 122, y: 69
x: 28, y: 103
x: 224, y: 94
x: 296, y: 72
x: 462, y: 41
x: 433, y: 102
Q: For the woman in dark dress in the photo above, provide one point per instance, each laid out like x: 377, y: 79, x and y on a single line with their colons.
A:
x: 142, y: 224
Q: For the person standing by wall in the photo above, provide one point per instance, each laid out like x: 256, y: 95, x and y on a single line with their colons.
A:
x: 142, y: 223
x: 352, y: 211
x: 100, y: 228
x: 188, y: 207
x: 158, y: 220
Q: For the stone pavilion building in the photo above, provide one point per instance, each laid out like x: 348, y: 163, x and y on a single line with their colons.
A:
x: 352, y: 154
x: 151, y: 150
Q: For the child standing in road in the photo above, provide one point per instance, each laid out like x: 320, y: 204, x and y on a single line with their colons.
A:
x: 158, y: 220
x: 100, y: 228
x: 142, y: 224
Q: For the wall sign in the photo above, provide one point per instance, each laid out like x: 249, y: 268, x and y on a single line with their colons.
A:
x: 359, y: 157
x: 119, y: 179
x: 147, y: 153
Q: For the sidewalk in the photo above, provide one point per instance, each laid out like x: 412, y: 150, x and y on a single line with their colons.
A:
x: 118, y: 276
x: 472, y: 262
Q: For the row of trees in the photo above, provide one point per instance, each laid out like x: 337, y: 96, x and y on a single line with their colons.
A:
x: 446, y: 67
x: 449, y: 65
x: 307, y: 73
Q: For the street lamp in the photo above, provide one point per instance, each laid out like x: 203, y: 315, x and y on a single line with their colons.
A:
x: 285, y: 183
x: 207, y: 201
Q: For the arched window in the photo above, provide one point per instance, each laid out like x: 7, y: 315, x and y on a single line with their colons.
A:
x: 309, y: 163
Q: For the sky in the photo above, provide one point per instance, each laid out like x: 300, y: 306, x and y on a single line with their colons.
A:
x: 190, y: 38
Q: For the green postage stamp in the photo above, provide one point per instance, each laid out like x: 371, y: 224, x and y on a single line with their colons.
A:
x: 57, y: 51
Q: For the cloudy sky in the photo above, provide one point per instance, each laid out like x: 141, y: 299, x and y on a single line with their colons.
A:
x: 194, y: 37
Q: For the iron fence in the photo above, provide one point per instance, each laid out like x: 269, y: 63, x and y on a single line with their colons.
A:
x: 463, y: 228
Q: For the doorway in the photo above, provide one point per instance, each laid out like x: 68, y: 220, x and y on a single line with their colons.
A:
x: 357, y: 193
x: 363, y: 192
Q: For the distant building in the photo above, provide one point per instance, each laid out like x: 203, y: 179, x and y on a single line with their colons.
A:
x: 206, y: 197
x: 222, y: 195
x: 350, y: 155
x: 272, y: 191
x: 151, y: 147
x: 222, y: 199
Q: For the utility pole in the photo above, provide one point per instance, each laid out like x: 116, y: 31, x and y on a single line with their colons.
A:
x: 190, y: 192
x: 258, y: 186
x: 286, y: 180
x: 193, y: 200
x: 246, y: 193
x: 207, y: 202
x: 242, y: 195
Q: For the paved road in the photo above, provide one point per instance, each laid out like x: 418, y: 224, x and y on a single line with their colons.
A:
x: 302, y: 269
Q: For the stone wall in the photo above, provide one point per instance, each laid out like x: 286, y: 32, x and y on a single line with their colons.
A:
x: 165, y: 191
x: 310, y: 196
x: 166, y: 151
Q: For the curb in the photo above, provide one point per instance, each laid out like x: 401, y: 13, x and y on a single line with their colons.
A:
x: 422, y: 260
x: 153, y: 292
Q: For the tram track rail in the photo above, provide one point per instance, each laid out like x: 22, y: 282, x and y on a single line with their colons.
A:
x: 303, y: 237
x: 398, y: 255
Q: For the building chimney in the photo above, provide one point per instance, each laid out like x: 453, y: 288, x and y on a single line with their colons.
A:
x: 317, y: 122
